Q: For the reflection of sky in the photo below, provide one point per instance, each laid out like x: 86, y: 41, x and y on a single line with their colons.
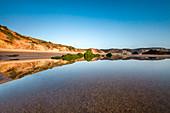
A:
x: 91, y: 23
x: 58, y: 76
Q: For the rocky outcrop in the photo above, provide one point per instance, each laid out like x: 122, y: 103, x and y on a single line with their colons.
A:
x: 117, y: 51
x: 131, y: 51
x: 143, y: 50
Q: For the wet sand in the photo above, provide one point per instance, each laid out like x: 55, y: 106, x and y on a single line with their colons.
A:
x: 4, y: 55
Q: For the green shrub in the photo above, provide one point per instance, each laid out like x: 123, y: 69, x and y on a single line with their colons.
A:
x: 9, y: 38
x: 69, y: 57
x: 15, y: 55
x: 71, y: 48
x: 109, y: 55
x: 24, y: 37
x: 80, y: 55
x: 6, y: 32
x: 34, y: 42
x: 14, y: 74
x: 11, y: 69
x: 10, y: 42
x: 56, y: 57
x: 44, y: 42
x: 5, y: 27
x: 96, y: 55
x: 103, y: 55
x: 88, y: 55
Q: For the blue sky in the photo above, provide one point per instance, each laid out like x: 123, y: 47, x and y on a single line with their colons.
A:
x: 91, y: 23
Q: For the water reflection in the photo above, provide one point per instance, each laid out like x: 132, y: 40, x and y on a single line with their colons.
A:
x: 122, y: 86
x: 18, y: 69
x: 15, y: 69
x: 134, y: 58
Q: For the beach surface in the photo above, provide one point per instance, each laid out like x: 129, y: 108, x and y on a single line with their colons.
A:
x: 7, y: 54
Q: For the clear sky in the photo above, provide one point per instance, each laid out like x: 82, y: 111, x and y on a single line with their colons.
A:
x: 91, y: 23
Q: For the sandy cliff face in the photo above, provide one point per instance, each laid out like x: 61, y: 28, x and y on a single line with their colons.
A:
x: 12, y: 40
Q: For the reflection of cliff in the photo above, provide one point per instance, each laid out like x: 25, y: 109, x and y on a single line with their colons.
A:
x: 18, y: 69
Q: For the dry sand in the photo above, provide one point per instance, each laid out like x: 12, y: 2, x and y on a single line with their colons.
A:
x: 34, y: 54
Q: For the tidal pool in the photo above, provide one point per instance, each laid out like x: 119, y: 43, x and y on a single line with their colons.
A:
x: 101, y: 86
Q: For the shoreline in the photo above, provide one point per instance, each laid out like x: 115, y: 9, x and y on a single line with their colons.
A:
x: 29, y: 54
x: 33, y: 54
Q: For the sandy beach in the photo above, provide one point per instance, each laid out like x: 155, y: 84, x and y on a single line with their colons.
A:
x: 34, y: 54
x: 29, y: 54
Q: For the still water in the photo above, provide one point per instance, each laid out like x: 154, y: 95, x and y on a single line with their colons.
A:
x: 54, y: 86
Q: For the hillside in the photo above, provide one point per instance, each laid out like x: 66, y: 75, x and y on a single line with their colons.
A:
x: 117, y: 51
x: 142, y: 50
x: 12, y: 40
x: 138, y: 50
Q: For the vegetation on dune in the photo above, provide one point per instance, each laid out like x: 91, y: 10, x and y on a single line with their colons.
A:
x: 9, y: 34
x: 71, y: 48
x: 10, y: 42
x: 5, y: 27
x: 70, y: 57
x: 24, y: 37
x: 11, y: 69
x: 11, y: 37
x: 109, y: 55
x: 27, y: 38
x: 96, y: 55
x: 103, y: 55
x: 34, y: 42
x: 88, y: 55
x: 44, y: 42
x: 80, y: 55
